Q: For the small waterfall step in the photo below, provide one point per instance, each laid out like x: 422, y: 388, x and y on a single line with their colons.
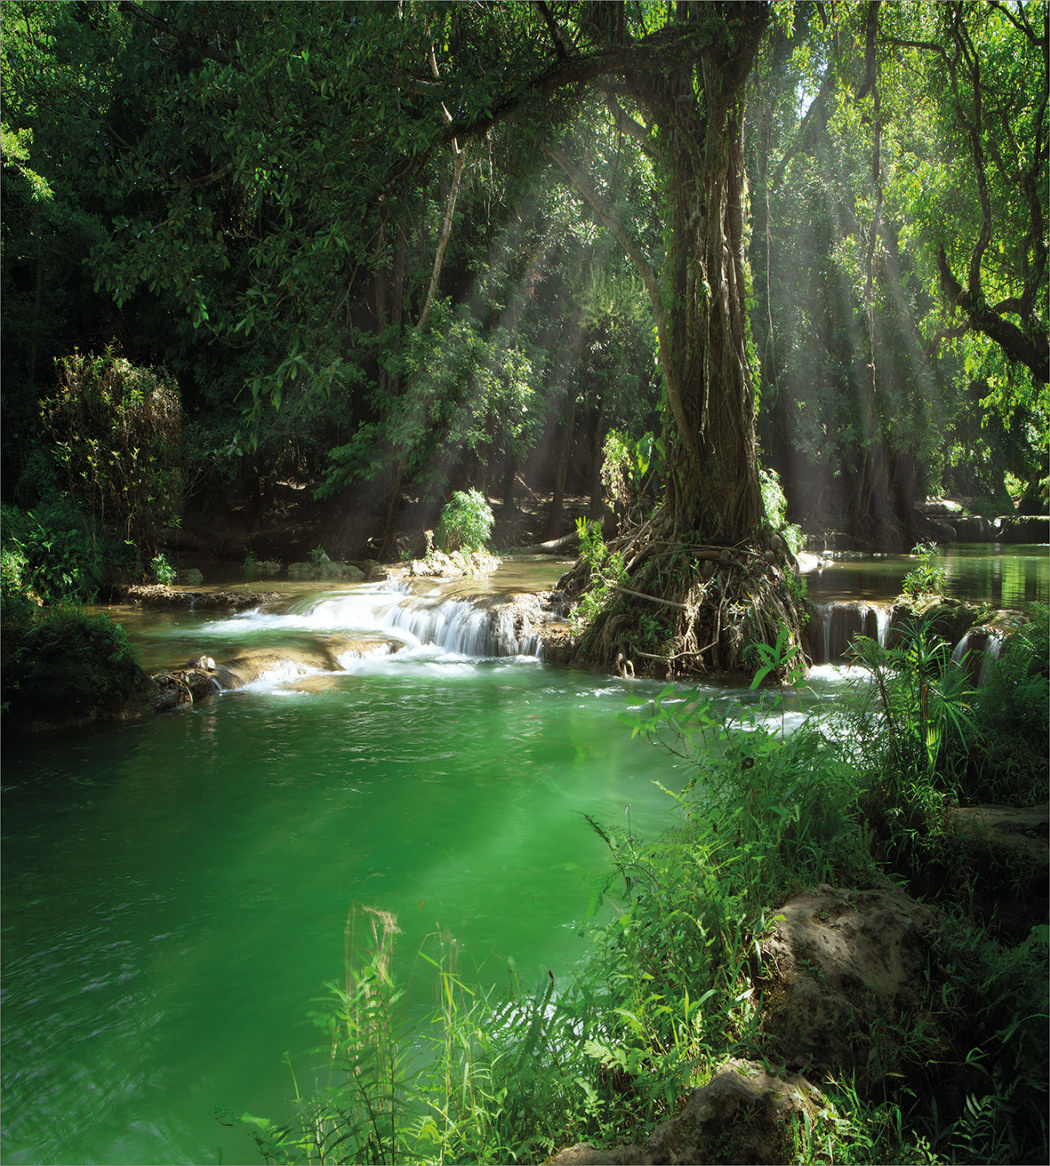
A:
x: 831, y: 628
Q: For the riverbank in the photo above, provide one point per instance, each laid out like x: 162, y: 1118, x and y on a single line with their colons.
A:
x: 831, y: 957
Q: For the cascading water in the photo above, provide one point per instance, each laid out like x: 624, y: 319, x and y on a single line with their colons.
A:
x: 833, y: 625
x: 334, y: 634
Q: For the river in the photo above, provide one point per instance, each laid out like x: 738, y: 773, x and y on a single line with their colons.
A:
x: 175, y: 892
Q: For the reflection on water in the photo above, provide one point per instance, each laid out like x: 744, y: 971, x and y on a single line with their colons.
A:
x: 1003, y: 577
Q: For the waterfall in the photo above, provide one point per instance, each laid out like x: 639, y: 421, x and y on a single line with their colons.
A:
x: 465, y: 627
x: 481, y: 626
x: 833, y: 626
x: 991, y: 653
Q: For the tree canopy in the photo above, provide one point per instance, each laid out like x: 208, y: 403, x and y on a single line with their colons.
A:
x: 393, y: 248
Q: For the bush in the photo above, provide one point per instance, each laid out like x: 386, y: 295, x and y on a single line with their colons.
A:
x: 1015, y: 698
x: 466, y: 522
x: 48, y: 552
x: 65, y: 664
x: 774, y: 507
x: 117, y: 433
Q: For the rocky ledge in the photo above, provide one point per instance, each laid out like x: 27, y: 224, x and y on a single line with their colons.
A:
x: 157, y: 596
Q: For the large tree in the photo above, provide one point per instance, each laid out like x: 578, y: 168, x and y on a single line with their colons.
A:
x: 324, y: 128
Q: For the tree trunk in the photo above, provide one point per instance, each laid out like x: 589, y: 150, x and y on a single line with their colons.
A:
x: 695, y: 572
x: 562, y: 468
x: 714, y: 487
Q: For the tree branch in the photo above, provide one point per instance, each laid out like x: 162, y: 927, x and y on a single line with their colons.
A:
x: 165, y: 26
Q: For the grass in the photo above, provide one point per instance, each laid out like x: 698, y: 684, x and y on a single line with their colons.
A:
x: 675, y: 983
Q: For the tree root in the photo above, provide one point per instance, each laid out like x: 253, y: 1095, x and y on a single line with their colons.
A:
x: 683, y: 609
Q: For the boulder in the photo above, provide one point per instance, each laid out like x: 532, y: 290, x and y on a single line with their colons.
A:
x: 373, y: 571
x: 190, y: 577
x: 838, y: 967
x: 326, y: 570
x: 948, y: 618
x: 262, y: 569
x: 744, y: 1114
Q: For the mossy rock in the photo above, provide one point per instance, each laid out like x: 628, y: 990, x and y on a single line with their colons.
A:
x: 263, y: 569
x: 326, y: 570
x: 950, y: 619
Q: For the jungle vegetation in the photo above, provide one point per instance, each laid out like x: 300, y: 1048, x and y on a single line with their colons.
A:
x: 392, y: 250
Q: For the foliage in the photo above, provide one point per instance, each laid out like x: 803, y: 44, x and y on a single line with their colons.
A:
x: 58, y: 560
x: 629, y: 466
x: 163, y: 571
x: 929, y: 577
x: 879, y: 383
x: 466, y: 522
x: 607, y: 571
x: 1014, y: 698
x: 117, y: 432
x: 926, y: 719
x: 774, y: 507
x: 64, y: 664
x: 1012, y: 709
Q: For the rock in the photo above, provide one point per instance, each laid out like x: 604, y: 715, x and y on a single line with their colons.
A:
x: 191, y: 577
x: 262, y: 569
x: 153, y: 596
x: 837, y: 965
x: 1021, y: 528
x: 326, y: 570
x: 373, y: 572
x: 439, y: 565
x: 744, y: 1114
x: 948, y: 618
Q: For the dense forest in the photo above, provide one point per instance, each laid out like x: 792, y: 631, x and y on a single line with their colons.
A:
x: 389, y: 250
x: 682, y: 288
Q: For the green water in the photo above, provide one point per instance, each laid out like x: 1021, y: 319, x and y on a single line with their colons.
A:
x: 1004, y: 576
x: 175, y: 892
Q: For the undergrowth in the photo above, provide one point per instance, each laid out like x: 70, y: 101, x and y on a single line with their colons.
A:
x: 675, y: 982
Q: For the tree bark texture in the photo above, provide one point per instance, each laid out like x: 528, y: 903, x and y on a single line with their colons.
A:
x: 702, y: 314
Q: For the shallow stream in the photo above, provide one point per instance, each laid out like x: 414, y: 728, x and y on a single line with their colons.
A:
x: 175, y: 892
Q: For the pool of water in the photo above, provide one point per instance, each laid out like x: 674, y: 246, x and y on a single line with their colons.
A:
x: 1002, y: 576
x: 175, y: 892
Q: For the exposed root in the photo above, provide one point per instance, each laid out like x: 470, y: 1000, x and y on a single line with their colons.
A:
x: 687, y: 609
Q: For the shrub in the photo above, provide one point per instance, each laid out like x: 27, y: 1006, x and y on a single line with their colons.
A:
x: 51, y: 553
x: 163, y: 571
x: 466, y: 522
x: 774, y: 507
x: 1015, y: 698
x: 117, y: 433
x: 928, y: 578
x: 67, y: 664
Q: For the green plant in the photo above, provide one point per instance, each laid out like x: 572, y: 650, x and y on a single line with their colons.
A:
x: 466, y: 522
x: 66, y: 663
x: 250, y: 560
x: 116, y: 430
x: 626, y: 466
x: 608, y: 571
x: 774, y: 507
x: 57, y: 559
x: 929, y: 577
x: 318, y: 556
x: 163, y: 571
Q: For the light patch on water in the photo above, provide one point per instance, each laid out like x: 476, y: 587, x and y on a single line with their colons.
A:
x: 286, y: 672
